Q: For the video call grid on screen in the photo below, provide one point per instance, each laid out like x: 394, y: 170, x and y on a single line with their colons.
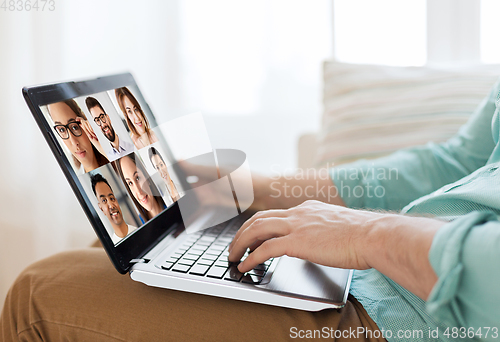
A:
x: 120, y: 158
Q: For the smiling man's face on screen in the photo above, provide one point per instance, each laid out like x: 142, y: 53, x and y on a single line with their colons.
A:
x: 109, y: 204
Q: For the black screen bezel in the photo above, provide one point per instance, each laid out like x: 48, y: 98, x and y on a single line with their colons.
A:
x: 139, y: 243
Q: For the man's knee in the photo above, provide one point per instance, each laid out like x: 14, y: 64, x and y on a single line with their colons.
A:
x: 43, y: 287
x: 17, y: 314
x: 45, y: 279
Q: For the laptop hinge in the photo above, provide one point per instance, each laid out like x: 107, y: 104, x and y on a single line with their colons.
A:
x: 139, y: 261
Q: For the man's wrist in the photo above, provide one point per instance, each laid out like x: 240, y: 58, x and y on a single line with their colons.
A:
x: 262, y: 193
x: 373, y: 238
x: 384, y: 235
x: 398, y: 246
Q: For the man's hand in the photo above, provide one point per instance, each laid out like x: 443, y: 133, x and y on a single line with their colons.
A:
x: 331, y: 235
x: 323, y: 233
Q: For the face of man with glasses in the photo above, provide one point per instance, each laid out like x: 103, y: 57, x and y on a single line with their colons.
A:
x: 102, y: 120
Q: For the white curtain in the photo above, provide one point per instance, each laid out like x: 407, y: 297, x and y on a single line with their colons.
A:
x: 253, y: 69
x: 39, y: 213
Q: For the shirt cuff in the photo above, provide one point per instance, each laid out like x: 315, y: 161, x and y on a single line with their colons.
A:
x: 445, y: 257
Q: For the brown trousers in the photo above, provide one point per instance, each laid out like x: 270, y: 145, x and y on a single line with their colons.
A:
x: 79, y: 296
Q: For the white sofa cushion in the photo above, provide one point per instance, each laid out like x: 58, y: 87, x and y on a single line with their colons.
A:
x: 372, y: 110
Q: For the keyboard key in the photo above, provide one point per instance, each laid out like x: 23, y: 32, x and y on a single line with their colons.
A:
x: 251, y: 279
x: 193, y: 253
x: 257, y: 272
x: 223, y: 258
x: 198, y: 248
x: 205, y: 238
x: 215, y: 231
x: 167, y: 265
x: 180, y: 268
x: 216, y: 272
x: 209, y: 257
x: 222, y: 263
x: 187, y: 262
x: 190, y: 257
x: 202, y: 244
x: 199, y: 269
x: 205, y: 262
x: 260, y: 267
x: 216, y: 248
x: 212, y: 231
x: 233, y: 274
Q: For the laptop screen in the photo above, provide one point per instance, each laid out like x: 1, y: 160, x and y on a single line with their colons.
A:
x: 138, y: 178
x: 119, y: 155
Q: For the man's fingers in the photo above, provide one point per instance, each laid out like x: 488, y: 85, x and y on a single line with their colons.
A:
x: 256, y: 216
x: 260, y: 230
x: 269, y: 249
x: 251, y: 220
x: 255, y: 245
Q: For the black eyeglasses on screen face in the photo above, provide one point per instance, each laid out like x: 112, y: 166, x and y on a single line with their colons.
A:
x: 99, y: 119
x: 73, y: 127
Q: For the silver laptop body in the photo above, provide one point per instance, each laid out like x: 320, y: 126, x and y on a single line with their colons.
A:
x: 288, y: 282
x: 160, y: 252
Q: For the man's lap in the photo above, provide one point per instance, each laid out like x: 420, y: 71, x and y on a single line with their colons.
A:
x: 78, y: 295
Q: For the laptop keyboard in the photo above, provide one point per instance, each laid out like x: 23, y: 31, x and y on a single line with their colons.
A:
x: 205, y: 254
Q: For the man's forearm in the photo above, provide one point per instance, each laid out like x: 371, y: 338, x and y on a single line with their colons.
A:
x: 398, y: 246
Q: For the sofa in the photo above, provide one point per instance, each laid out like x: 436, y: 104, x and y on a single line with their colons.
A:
x: 372, y: 110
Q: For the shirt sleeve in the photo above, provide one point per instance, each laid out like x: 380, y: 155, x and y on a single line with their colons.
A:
x: 392, y: 182
x: 465, y: 255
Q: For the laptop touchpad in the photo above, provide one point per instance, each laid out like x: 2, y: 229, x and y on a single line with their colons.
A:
x: 303, y: 278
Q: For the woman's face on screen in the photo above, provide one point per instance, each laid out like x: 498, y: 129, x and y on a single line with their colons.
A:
x: 135, y: 116
x: 80, y: 146
x: 136, y: 182
x: 160, y: 166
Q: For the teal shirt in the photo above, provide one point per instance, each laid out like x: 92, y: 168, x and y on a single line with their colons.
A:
x: 457, y: 181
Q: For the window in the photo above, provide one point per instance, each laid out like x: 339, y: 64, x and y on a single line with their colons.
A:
x: 254, y: 56
x: 389, y: 32
x: 490, y: 51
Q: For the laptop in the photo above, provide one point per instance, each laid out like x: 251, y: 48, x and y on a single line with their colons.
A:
x: 155, y: 193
